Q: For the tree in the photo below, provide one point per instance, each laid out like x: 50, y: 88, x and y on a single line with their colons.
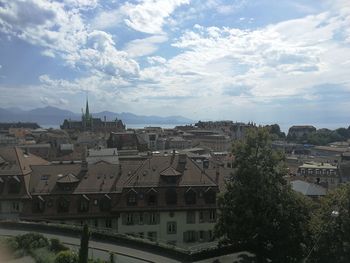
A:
x: 259, y: 211
x: 84, y: 245
x: 331, y: 228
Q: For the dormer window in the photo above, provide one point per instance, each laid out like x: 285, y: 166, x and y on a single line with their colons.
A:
x: 152, y: 197
x: 171, y: 197
x: 83, y: 205
x: 210, y: 196
x: 38, y: 205
x: 190, y: 197
x: 132, y: 198
x: 63, y: 205
x: 14, y: 185
x: 105, y: 203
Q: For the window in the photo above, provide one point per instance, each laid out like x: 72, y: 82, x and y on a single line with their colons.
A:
x: 190, y: 236
x: 171, y: 197
x: 108, y: 223
x: 212, y: 215
x: 141, y: 234
x: 38, y: 206
x: 152, y: 199
x: 83, y: 205
x: 14, y: 187
x: 171, y: 228
x: 190, y: 197
x: 105, y: 204
x: 132, y: 199
x: 153, y: 218
x: 191, y: 217
x: 201, y: 217
x: 15, y: 206
x: 129, y: 219
x: 141, y: 218
x: 96, y: 223
x: 201, y: 235
x: 63, y: 205
x: 210, y: 197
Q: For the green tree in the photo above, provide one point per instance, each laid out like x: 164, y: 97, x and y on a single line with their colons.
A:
x: 84, y: 245
x: 331, y: 228
x: 258, y: 211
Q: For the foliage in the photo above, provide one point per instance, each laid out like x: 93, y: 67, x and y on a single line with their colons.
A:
x: 111, y: 258
x: 258, y: 209
x: 323, y: 136
x: 31, y: 241
x: 331, y: 234
x: 10, y: 243
x: 43, y: 255
x: 56, y: 246
x: 66, y: 257
x: 275, y: 131
x: 84, y: 245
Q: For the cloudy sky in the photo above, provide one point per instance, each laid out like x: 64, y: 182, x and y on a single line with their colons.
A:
x: 285, y: 61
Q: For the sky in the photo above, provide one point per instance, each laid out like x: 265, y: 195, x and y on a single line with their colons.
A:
x: 266, y: 61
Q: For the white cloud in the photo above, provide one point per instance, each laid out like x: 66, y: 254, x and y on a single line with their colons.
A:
x: 61, y: 31
x: 150, y: 15
x: 145, y: 46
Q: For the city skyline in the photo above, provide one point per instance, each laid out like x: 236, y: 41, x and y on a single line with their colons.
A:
x: 241, y: 60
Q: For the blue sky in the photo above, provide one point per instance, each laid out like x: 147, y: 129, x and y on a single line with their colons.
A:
x: 285, y: 61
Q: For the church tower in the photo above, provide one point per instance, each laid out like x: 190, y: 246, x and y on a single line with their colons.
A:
x: 87, y: 117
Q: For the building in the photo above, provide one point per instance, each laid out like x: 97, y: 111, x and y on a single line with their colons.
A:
x: 308, y: 189
x: 325, y: 174
x: 88, y: 123
x: 166, y: 198
x: 300, y: 132
x: 15, y: 176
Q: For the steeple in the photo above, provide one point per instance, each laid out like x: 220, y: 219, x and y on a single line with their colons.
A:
x: 87, y: 113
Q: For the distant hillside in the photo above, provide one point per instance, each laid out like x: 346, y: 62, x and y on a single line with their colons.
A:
x: 55, y: 116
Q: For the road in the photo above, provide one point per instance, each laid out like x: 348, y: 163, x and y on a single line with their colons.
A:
x: 100, y: 249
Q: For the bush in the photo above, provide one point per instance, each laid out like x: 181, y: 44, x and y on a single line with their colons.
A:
x: 66, y: 257
x: 56, y: 245
x: 11, y: 243
x: 43, y: 255
x: 31, y: 241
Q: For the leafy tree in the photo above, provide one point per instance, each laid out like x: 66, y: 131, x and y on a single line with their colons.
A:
x: 84, y: 245
x: 331, y: 228
x: 258, y: 211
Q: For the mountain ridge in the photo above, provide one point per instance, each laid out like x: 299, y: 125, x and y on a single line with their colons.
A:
x: 50, y: 115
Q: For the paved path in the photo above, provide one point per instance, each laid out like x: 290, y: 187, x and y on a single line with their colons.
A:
x: 100, y: 249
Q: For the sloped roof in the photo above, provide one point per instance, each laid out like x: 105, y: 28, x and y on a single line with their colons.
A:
x: 68, y: 178
x: 308, y: 189
x: 170, y: 171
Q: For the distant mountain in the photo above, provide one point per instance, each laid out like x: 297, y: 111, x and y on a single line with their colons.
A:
x: 55, y: 116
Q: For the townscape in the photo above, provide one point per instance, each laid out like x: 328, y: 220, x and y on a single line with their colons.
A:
x: 155, y: 184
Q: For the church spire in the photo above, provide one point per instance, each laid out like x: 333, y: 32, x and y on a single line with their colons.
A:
x: 87, y: 113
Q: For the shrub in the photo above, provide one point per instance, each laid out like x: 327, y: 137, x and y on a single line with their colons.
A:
x: 43, y: 255
x: 32, y: 241
x: 56, y: 245
x: 66, y: 257
x: 11, y: 243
